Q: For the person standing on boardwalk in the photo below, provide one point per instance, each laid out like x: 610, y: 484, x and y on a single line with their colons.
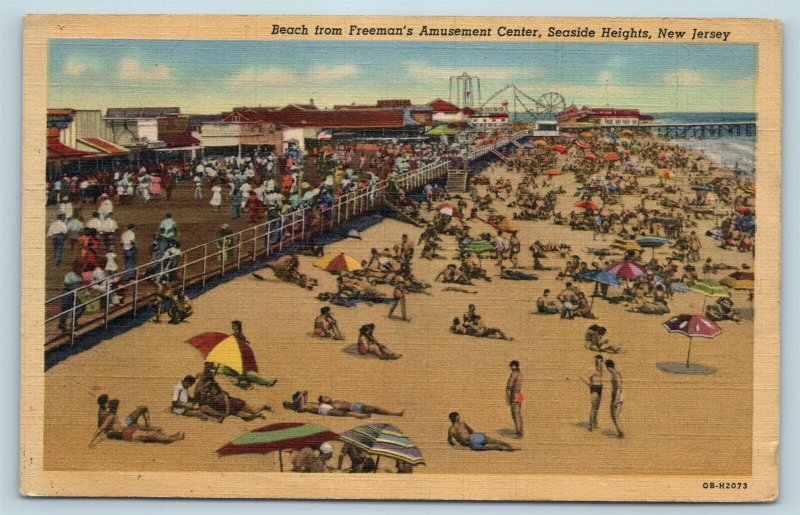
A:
x: 128, y: 240
x: 58, y: 231
x: 595, y: 382
x: 399, y: 297
x: 514, y: 396
x: 616, y: 395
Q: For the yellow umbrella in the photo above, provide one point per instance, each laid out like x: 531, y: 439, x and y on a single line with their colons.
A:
x: 665, y: 174
x: 740, y: 281
x: 541, y: 143
x: 337, y: 263
x: 503, y: 223
x: 627, y: 245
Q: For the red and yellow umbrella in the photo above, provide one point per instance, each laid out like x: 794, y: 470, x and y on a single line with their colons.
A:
x: 337, y: 263
x: 665, y: 174
x: 225, y: 349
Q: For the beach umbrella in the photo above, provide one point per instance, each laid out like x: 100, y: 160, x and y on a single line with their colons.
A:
x: 740, y: 280
x: 561, y: 149
x: 450, y: 210
x: 540, y: 143
x: 693, y: 326
x: 586, y: 204
x: 627, y: 133
x: 337, y: 263
x: 610, y: 157
x: 626, y: 245
x: 708, y: 288
x: 636, y: 149
x: 665, y: 174
x: 383, y: 439
x: 478, y: 246
x: 590, y: 157
x: 652, y: 242
x: 552, y: 171
x: 584, y: 145
x: 225, y: 349
x: 586, y: 135
x: 503, y: 223
x: 627, y: 270
x: 601, y: 277
x: 745, y: 211
x: 284, y: 436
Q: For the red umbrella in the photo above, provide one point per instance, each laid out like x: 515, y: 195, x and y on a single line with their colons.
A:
x: 693, y: 326
x: 627, y: 270
x: 590, y: 157
x: 586, y: 204
x: 561, y: 149
x: 225, y: 349
x: 583, y: 145
x: 745, y: 211
x: 284, y: 436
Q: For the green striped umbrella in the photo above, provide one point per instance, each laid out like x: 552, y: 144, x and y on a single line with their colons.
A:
x: 709, y: 288
x: 285, y: 436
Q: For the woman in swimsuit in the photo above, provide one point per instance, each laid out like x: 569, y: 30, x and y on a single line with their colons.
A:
x: 114, y: 430
x: 367, y: 344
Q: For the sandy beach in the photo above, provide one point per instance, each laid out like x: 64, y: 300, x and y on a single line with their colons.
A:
x: 674, y: 424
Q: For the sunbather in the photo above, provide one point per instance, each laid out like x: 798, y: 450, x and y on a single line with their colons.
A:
x: 300, y: 404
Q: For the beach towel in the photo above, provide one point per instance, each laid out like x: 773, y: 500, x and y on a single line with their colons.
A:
x: 249, y: 378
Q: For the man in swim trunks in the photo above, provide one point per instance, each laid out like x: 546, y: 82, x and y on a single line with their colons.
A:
x: 461, y: 433
x: 221, y: 402
x: 594, y: 380
x: 358, y: 407
x: 325, y: 325
x: 112, y: 429
x: 514, y: 396
x: 616, y: 395
x: 300, y: 404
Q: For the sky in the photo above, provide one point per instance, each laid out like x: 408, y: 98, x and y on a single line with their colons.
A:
x: 206, y: 77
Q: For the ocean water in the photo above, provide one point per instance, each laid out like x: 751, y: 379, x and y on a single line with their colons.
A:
x: 731, y: 152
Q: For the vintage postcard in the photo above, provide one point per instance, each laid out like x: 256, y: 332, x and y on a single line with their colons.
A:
x: 401, y: 258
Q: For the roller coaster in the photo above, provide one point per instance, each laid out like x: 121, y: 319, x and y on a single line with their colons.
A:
x: 465, y: 91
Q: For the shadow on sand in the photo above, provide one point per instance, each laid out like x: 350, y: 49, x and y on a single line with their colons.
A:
x: 681, y: 368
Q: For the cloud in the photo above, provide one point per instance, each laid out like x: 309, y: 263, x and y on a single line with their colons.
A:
x: 424, y: 71
x: 74, y: 68
x: 132, y: 70
x: 275, y: 76
x: 682, y: 78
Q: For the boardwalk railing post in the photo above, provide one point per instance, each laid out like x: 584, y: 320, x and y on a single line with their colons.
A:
x: 74, y: 318
x: 108, y: 302
x: 239, y: 251
x: 255, y: 243
x: 136, y: 292
x: 205, y: 262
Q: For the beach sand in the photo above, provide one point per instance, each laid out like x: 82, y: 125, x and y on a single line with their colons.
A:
x: 674, y: 424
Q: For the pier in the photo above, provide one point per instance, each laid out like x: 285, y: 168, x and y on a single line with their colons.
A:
x: 702, y: 130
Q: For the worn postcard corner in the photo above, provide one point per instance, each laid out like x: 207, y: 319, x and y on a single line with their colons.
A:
x: 464, y: 258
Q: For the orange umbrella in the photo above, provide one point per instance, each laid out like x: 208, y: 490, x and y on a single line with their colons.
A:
x: 540, y: 143
x: 561, y: 149
x: 552, y: 172
x: 586, y: 135
x: 665, y: 174
x: 611, y: 157
x: 503, y: 223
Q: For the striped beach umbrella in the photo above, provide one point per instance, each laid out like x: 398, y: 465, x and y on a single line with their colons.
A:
x: 693, y: 326
x: 627, y: 270
x: 584, y: 145
x: 478, y: 246
x: 337, y: 263
x: 225, y: 349
x: 384, y: 440
x: 284, y: 436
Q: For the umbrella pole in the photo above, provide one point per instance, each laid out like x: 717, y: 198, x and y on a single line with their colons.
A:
x: 280, y: 459
x: 689, y: 353
x: 377, y: 462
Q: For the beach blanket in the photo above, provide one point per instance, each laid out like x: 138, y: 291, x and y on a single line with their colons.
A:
x: 250, y: 377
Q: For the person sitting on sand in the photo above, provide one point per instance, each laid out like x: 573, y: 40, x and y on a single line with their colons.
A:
x: 461, y: 433
x: 722, y: 310
x: 308, y: 461
x: 474, y: 327
x: 584, y: 309
x: 367, y: 344
x: 112, y: 429
x: 569, y: 301
x: 359, y: 461
x: 595, y: 341
x: 325, y: 325
x: 452, y: 275
x: 658, y: 306
x: 102, y: 408
x: 545, y: 305
x: 183, y: 404
x: 457, y: 327
x: 300, y: 404
x: 221, y: 402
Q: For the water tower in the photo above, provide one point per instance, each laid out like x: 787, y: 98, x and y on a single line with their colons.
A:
x: 465, y: 90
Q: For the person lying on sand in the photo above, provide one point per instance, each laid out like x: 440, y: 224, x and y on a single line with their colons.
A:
x: 113, y: 429
x: 359, y: 407
x: 221, y: 402
x: 516, y: 275
x: 461, y: 433
x: 300, y: 404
